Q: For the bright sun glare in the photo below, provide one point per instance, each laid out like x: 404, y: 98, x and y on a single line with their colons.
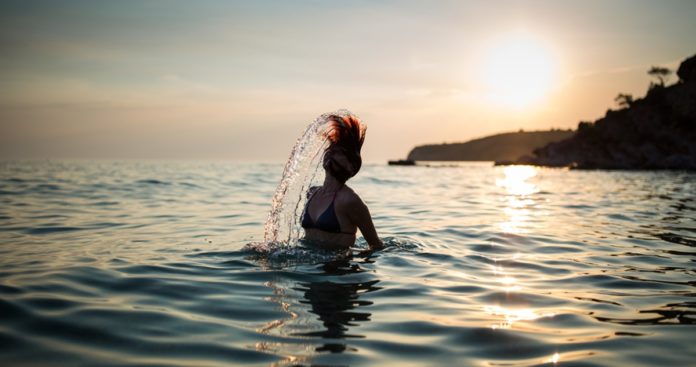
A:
x: 518, y: 71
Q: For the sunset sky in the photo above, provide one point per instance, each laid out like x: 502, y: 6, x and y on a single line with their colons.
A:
x: 240, y: 80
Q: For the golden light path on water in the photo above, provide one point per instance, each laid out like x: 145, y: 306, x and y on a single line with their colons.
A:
x: 517, y: 189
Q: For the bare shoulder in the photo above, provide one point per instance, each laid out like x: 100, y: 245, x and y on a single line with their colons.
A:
x: 349, y: 198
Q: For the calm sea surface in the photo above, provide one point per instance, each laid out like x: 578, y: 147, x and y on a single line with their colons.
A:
x: 127, y: 263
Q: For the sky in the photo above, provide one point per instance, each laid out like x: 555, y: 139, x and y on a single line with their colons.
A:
x: 240, y: 80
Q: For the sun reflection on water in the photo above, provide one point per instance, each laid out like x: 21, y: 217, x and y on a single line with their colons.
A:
x: 510, y: 316
x: 555, y: 358
x: 515, y: 181
x: 517, y: 203
x: 509, y: 283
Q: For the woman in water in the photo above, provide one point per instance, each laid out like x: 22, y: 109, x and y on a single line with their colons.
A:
x: 334, y: 212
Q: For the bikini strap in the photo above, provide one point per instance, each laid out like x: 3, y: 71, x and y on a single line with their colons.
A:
x: 309, y: 199
x: 336, y: 193
x: 317, y: 190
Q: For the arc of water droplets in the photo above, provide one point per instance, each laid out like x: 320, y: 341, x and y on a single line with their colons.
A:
x: 299, y: 172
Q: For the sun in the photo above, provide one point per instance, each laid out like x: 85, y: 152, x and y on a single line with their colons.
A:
x: 518, y: 71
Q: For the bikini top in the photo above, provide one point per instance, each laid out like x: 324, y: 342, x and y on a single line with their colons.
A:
x: 327, y: 221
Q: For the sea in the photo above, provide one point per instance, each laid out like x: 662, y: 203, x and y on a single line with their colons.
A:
x: 149, y: 263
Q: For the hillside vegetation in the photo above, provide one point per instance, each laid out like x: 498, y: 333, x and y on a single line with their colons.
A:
x: 657, y: 131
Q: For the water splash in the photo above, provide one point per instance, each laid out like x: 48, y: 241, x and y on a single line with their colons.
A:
x: 301, y: 253
x: 282, y: 226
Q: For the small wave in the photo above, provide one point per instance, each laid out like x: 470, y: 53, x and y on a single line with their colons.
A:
x: 216, y: 254
x: 399, y: 244
x: 191, y: 185
x: 106, y: 203
x: 152, y: 182
x: 8, y: 289
x: 42, y: 187
x: 385, y: 181
x: 662, y: 317
x: 51, y: 230
x: 671, y: 237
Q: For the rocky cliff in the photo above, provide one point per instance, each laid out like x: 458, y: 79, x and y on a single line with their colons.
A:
x: 657, y: 131
x: 501, y: 147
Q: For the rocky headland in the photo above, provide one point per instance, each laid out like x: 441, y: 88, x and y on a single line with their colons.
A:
x: 657, y: 131
x: 500, y: 147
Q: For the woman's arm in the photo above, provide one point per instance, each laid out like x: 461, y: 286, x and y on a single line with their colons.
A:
x: 360, y: 215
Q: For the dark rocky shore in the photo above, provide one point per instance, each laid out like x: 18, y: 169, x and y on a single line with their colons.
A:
x: 657, y: 131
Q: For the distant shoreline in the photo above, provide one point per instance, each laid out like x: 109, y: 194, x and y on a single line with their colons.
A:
x: 505, y: 146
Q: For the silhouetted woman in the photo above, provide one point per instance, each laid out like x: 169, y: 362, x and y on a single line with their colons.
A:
x: 334, y: 212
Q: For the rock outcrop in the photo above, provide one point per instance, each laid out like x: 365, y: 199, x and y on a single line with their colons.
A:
x: 500, y: 147
x: 655, y: 132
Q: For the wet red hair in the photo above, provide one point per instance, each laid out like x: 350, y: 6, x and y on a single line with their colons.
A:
x: 346, y: 135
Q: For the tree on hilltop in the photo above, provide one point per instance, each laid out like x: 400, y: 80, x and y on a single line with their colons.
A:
x: 662, y: 74
x: 624, y: 100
